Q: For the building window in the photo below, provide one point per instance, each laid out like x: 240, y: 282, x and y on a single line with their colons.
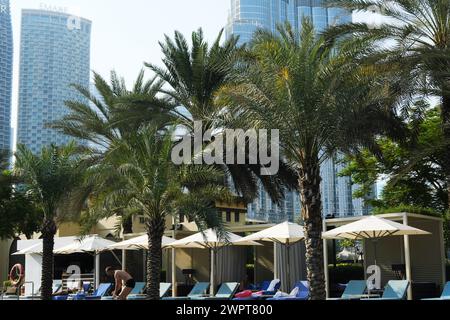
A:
x: 228, y: 216
x: 181, y: 217
x: 141, y: 220
x: 237, y: 217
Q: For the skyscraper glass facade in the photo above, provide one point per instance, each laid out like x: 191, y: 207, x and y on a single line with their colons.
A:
x: 247, y: 16
x: 55, y: 53
x: 6, y: 63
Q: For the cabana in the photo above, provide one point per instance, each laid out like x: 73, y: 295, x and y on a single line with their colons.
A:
x: 92, y: 245
x: 32, y: 249
x: 286, y: 235
x: 418, y: 259
x: 213, y: 241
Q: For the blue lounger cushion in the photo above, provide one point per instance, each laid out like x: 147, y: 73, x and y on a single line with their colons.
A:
x: 200, y: 289
x: 394, y: 290
x: 445, y: 293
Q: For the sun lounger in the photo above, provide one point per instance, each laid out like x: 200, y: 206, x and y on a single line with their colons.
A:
x: 300, y: 292
x: 200, y: 289
x: 225, y: 292
x: 445, y: 294
x: 164, y: 289
x: 355, y: 290
x: 137, y: 292
x: 102, y: 290
x: 394, y: 290
x: 269, y: 289
x: 57, y: 285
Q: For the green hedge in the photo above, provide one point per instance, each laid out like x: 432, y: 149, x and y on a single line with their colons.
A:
x: 408, y: 209
x: 447, y: 269
x: 345, y: 272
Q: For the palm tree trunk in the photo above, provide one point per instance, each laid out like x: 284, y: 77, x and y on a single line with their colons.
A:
x: 155, y: 232
x: 446, y: 129
x: 48, y: 235
x: 127, y: 225
x: 309, y: 183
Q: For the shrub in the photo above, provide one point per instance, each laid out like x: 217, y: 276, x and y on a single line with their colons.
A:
x: 345, y: 272
x: 409, y: 209
x: 447, y: 271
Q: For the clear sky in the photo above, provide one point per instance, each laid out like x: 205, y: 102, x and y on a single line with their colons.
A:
x: 126, y: 33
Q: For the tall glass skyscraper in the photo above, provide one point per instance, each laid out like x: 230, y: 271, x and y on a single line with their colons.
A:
x: 55, y: 53
x: 6, y: 64
x: 245, y: 17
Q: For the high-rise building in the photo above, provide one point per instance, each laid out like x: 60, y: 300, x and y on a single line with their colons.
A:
x: 6, y: 65
x: 54, y: 54
x: 247, y: 16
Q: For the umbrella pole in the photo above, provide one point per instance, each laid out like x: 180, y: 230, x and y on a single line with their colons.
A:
x: 375, y: 251
x: 212, y: 288
x: 288, y: 266
x: 174, y: 275
x: 97, y: 270
x: 275, y: 261
x: 124, y: 259
x: 375, y: 242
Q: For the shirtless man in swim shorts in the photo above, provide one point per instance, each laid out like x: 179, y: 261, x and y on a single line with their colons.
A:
x: 124, y: 283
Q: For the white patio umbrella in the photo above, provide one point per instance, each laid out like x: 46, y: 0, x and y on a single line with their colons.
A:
x: 137, y: 243
x: 287, y: 234
x: 92, y: 244
x: 34, y: 249
x: 372, y: 228
x: 213, y: 241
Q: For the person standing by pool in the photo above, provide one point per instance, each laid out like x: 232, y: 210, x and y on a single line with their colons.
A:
x: 124, y: 283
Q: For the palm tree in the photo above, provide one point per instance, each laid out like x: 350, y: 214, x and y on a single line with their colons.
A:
x: 157, y: 188
x: 52, y: 179
x: 194, y: 74
x: 129, y: 171
x: 417, y: 38
x: 18, y: 215
x: 112, y: 112
x: 320, y: 102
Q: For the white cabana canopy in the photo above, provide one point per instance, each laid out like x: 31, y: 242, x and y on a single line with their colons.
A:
x: 93, y: 243
x: 372, y: 227
x: 138, y: 243
x: 211, y: 239
x: 285, y: 233
x: 36, y: 246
